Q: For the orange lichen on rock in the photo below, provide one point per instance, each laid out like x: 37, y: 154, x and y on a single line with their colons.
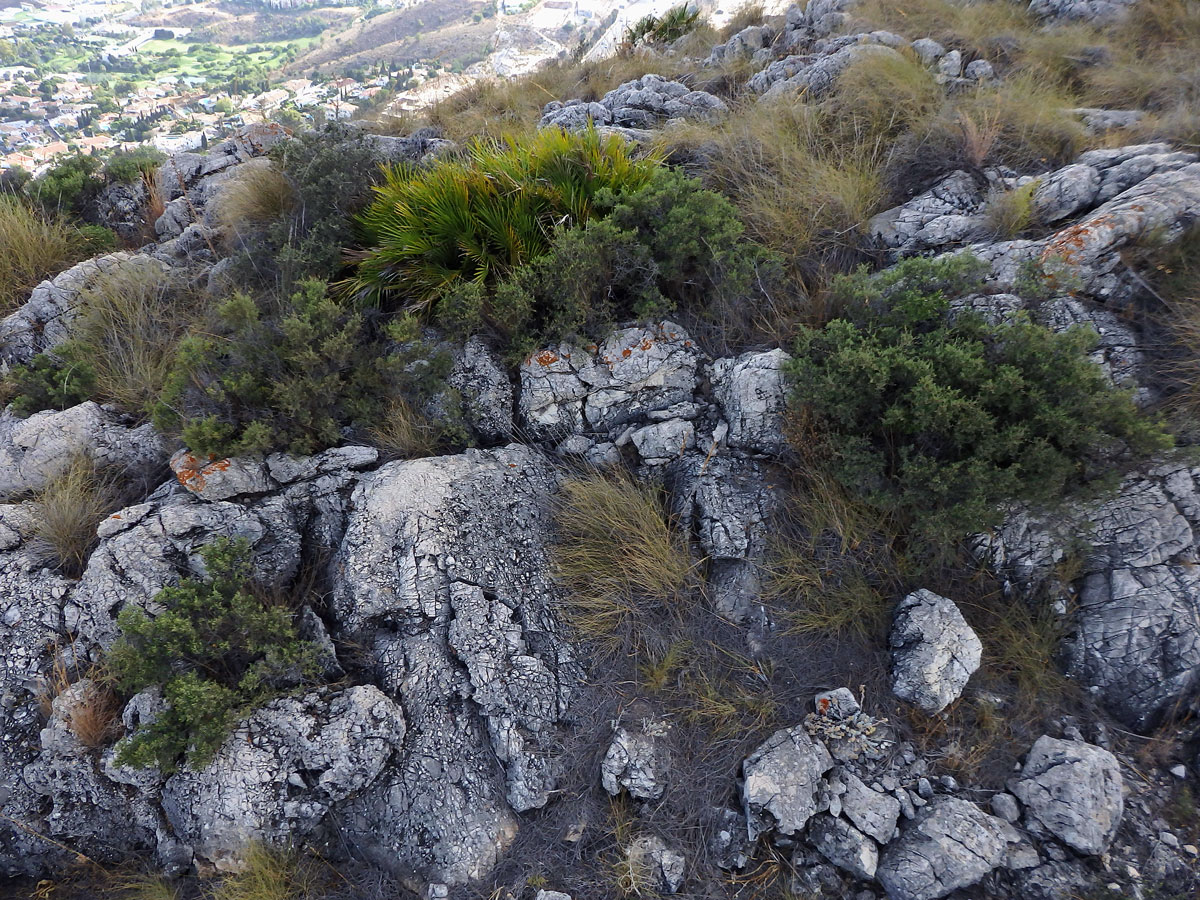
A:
x: 546, y: 358
x: 193, y: 474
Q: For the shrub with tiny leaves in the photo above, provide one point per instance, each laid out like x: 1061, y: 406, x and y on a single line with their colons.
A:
x: 217, y: 650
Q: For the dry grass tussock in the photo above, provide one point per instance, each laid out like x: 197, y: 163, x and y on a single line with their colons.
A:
x: 129, y: 323
x: 93, y: 715
x: 257, y: 195
x: 69, y: 508
x: 268, y: 874
x: 403, y: 432
x: 33, y: 247
x: 618, y: 553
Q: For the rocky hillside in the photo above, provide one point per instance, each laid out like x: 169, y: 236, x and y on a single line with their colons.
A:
x: 768, y: 472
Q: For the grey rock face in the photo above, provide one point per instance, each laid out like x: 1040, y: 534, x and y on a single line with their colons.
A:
x: 749, y: 42
x: 751, y: 393
x: 487, y: 394
x: 635, y: 373
x: 43, y: 322
x: 279, y: 774
x: 122, y: 207
x: 780, y: 778
x: 443, y: 571
x: 844, y: 846
x: 872, y: 812
x: 952, y: 844
x: 643, y: 103
x: 34, y: 451
x: 947, y: 213
x: 934, y: 651
x: 1080, y: 10
x: 636, y: 761
x: 1073, y: 791
x: 817, y: 73
x: 1136, y: 628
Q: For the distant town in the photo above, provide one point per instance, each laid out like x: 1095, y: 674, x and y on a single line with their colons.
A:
x: 98, y: 76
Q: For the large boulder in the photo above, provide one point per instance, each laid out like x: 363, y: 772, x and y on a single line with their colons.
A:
x: 443, y: 578
x: 780, y: 782
x: 36, y: 450
x: 934, y: 651
x: 751, y: 393
x: 952, y: 844
x: 277, y: 776
x: 1134, y: 637
x: 1072, y: 791
x: 643, y: 103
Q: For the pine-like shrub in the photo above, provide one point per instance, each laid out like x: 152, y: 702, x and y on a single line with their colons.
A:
x: 217, y: 650
x: 937, y: 420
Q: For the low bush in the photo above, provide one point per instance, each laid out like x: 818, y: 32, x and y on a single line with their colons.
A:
x: 938, y: 419
x: 617, y: 553
x: 129, y: 166
x: 216, y: 649
x: 293, y: 375
x: 67, y: 186
x: 290, y: 219
x: 34, y: 247
x: 477, y: 218
x: 664, y: 246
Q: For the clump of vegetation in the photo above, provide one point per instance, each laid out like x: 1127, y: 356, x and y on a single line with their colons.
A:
x: 267, y: 874
x: 648, y: 251
x: 937, y: 420
x: 67, y: 186
x: 217, y: 650
x: 69, y: 508
x: 130, y: 166
x: 34, y: 247
x: 658, y: 31
x: 617, y: 553
x: 476, y: 219
x: 127, y: 324
x: 292, y: 375
x: 291, y: 219
x: 1011, y: 213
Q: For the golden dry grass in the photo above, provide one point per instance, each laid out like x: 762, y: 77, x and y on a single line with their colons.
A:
x: 129, y: 322
x: 1010, y: 213
x: 268, y: 874
x: 617, y: 553
x: 403, y: 432
x: 69, y: 508
x: 255, y: 196
x: 33, y: 247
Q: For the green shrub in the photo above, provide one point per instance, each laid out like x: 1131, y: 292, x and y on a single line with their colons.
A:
x: 128, y: 166
x: 291, y: 376
x: 937, y: 420
x: 649, y: 250
x: 217, y: 650
x: 478, y: 218
x: 665, y: 29
x: 67, y: 186
x: 49, y: 382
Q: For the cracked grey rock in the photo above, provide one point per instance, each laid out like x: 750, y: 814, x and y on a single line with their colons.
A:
x: 1095, y: 11
x: 844, y: 846
x: 487, y: 394
x: 780, y: 780
x: 874, y: 813
x: 43, y: 321
x: 443, y: 575
x: 280, y: 773
x: 928, y: 50
x: 1064, y: 192
x: 1005, y: 806
x: 751, y: 393
x: 747, y: 43
x: 634, y: 373
x: 636, y: 761
x: 950, y: 845
x: 950, y: 212
x: 35, y: 450
x: 817, y: 74
x: 643, y: 103
x: 1135, y: 640
x: 1072, y: 791
x: 934, y: 651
